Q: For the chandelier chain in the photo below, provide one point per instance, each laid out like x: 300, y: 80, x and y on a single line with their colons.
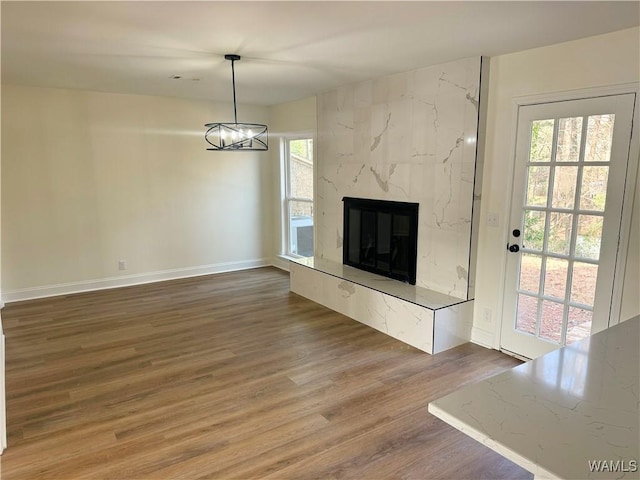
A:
x: 233, y: 81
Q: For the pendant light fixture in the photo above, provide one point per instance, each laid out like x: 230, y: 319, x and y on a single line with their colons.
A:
x: 236, y: 136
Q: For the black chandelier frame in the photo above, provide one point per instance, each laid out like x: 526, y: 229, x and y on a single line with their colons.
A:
x: 236, y: 136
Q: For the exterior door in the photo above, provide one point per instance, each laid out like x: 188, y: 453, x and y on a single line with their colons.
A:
x: 568, y: 191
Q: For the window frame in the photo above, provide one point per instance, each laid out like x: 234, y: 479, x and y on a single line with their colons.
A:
x: 287, y: 198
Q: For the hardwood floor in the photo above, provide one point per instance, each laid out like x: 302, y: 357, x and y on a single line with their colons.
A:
x: 228, y: 376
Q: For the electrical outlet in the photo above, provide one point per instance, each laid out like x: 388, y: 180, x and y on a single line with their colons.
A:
x: 493, y: 219
x: 486, y: 315
x: 122, y: 265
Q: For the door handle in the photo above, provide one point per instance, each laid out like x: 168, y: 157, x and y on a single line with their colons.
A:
x: 513, y: 248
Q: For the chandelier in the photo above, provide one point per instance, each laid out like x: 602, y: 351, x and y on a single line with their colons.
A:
x: 236, y: 136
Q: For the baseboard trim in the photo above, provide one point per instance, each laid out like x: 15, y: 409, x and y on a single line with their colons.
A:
x: 482, y: 338
x: 32, y: 293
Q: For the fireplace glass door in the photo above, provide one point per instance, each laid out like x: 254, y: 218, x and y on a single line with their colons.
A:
x: 381, y: 237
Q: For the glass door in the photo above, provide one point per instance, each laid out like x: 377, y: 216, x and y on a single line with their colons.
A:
x: 569, y: 182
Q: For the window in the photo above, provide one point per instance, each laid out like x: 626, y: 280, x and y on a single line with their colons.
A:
x: 298, y: 197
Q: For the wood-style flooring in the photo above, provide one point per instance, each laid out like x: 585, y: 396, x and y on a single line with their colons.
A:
x: 228, y: 376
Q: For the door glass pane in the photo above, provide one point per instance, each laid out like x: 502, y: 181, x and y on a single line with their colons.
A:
x: 541, y: 140
x: 530, y: 268
x: 569, y: 135
x: 583, y: 283
x: 559, y: 240
x: 564, y: 187
x: 589, y: 236
x: 301, y: 228
x: 579, y: 325
x: 551, y: 321
x: 533, y: 237
x: 537, y: 186
x: 555, y: 279
x: 527, y: 314
x: 593, y: 195
x: 599, y: 137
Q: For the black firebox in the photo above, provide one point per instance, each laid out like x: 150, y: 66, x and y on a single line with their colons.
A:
x: 381, y: 237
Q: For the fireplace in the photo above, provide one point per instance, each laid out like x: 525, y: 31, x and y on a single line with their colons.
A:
x: 381, y: 237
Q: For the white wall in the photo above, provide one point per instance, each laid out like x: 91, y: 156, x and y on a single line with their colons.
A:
x: 285, y: 120
x: 92, y: 178
x: 592, y: 62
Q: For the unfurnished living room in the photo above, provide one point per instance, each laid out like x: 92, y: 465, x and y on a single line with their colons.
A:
x: 319, y: 239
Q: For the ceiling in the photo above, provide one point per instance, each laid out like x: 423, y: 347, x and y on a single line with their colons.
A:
x: 290, y: 50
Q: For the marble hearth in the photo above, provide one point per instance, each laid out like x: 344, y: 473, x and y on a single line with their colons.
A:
x: 428, y: 320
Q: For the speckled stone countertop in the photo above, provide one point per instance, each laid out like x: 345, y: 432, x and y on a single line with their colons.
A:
x: 560, y: 414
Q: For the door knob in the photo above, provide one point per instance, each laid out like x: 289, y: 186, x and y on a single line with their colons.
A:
x: 514, y: 248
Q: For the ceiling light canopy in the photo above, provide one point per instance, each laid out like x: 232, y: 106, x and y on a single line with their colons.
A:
x: 236, y: 136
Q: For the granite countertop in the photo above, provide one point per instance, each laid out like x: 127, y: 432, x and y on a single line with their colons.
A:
x: 559, y: 414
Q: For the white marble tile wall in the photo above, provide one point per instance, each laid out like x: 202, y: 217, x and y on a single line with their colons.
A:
x: 406, y: 137
x: 452, y: 326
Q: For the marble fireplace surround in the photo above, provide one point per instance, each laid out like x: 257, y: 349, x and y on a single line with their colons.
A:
x: 411, y: 137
